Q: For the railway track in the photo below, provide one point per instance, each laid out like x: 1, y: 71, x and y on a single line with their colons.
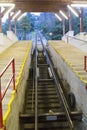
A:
x: 45, y: 105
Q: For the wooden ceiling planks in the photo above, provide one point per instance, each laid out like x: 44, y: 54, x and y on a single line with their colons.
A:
x: 40, y: 5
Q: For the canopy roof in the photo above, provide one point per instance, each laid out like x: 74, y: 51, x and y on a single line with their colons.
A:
x: 40, y: 5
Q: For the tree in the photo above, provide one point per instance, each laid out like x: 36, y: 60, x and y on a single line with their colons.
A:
x: 76, y: 24
x: 5, y: 27
x: 25, y: 25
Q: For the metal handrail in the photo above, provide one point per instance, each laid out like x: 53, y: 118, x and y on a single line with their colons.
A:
x: 12, y: 62
x: 76, y: 39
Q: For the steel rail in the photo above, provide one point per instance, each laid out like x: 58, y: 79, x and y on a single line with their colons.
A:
x: 36, y: 84
x: 33, y: 95
x: 58, y: 88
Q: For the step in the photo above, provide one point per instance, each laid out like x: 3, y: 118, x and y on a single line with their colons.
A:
x: 44, y: 106
x: 49, y: 117
x: 46, y: 101
x: 44, y: 97
x: 48, y: 126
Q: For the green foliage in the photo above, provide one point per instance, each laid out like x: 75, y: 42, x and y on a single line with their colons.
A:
x: 66, y: 26
x: 44, y: 28
x: 56, y: 32
x: 32, y: 21
x: 28, y: 24
x: 25, y: 24
x: 85, y: 23
x: 5, y: 27
x: 76, y: 24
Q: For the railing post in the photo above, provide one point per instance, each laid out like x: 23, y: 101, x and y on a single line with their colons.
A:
x: 67, y: 39
x: 1, y: 117
x: 85, y: 63
x: 13, y: 71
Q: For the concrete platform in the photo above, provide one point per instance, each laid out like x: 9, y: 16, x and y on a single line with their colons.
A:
x: 19, y: 50
x: 79, y: 41
x: 69, y: 62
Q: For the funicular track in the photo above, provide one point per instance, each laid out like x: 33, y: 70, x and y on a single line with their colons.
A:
x: 45, y: 105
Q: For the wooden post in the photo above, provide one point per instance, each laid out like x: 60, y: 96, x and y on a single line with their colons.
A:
x: 81, y: 20
x: 15, y: 30
x: 9, y: 22
x: 0, y: 21
x: 1, y: 115
x: 70, y: 21
x: 63, y: 26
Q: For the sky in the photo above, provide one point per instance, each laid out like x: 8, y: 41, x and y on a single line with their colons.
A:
x: 36, y: 13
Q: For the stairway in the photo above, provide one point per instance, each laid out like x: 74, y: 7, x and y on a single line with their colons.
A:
x: 18, y: 51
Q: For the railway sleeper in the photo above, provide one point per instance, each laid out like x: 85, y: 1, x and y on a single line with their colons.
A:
x: 47, y: 117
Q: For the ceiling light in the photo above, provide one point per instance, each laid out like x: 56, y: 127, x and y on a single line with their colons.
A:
x: 10, y: 6
x: 79, y: 5
x: 10, y: 9
x: 58, y: 17
x: 6, y: 4
x: 11, y: 13
x: 2, y: 9
x: 22, y: 16
x: 63, y: 14
x: 72, y: 10
x: 16, y: 14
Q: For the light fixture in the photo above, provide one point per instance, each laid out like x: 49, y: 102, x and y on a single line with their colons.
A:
x: 79, y: 5
x: 10, y: 6
x: 9, y: 10
x: 6, y: 4
x: 63, y: 14
x: 60, y: 19
x: 73, y: 11
x: 22, y: 16
x: 11, y: 13
x: 18, y: 12
x: 2, y: 9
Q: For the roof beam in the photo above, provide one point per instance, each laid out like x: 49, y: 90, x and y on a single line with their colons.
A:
x: 40, y: 6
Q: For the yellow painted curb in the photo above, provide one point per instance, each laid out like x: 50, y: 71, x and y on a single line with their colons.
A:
x: 9, y: 107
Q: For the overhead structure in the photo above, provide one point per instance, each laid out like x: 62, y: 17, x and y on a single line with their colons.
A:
x: 22, y: 6
x: 42, y: 5
x: 73, y: 11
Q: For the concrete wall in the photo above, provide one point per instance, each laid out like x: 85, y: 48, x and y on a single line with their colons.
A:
x: 71, y: 82
x: 17, y: 105
x: 12, y: 36
x: 5, y: 42
x: 79, y: 40
x: 69, y: 33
